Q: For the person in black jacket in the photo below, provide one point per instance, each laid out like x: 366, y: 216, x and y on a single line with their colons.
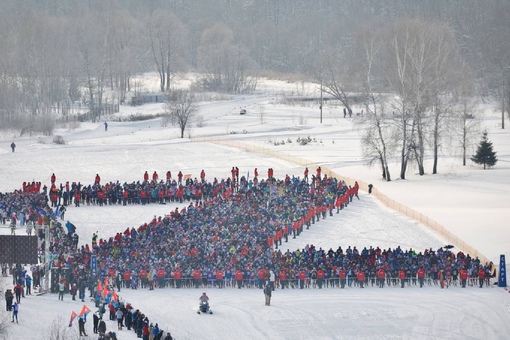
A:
x: 96, y: 322
x: 267, y: 293
x: 81, y: 324
x: 9, y: 297
x: 101, y: 328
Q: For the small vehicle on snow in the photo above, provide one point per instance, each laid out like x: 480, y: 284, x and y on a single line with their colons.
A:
x: 204, y: 308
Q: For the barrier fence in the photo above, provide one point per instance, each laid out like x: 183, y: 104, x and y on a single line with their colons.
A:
x: 331, y: 282
x: 390, y: 203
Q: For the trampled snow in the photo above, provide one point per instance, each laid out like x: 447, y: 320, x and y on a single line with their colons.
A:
x: 468, y: 201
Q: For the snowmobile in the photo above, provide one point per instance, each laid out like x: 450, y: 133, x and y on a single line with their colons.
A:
x: 204, y: 308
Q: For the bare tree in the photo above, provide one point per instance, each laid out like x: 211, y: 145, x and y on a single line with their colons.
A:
x: 226, y: 65
x: 126, y: 52
x: 335, y: 77
x: 93, y: 32
x: 59, y: 330
x: 466, y: 126
x: 378, y: 129
x: 182, y: 107
x: 418, y: 73
x: 167, y: 36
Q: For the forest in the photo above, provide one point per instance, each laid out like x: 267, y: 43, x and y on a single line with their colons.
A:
x: 433, y: 56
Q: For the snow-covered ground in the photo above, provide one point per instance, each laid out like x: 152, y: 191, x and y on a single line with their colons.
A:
x: 468, y: 201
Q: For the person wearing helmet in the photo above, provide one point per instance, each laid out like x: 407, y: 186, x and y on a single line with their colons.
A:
x: 204, y: 298
x: 203, y: 305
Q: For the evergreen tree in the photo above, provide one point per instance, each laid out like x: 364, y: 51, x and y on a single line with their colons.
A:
x: 484, y: 154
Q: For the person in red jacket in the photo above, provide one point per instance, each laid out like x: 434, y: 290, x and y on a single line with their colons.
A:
x: 481, y: 276
x: 146, y: 176
x: 320, y: 278
x: 239, y: 278
x: 355, y: 190
x: 177, y: 278
x: 77, y: 198
x: 342, y: 275
x: 127, y: 278
x: 160, y: 274
x: 283, y: 278
x: 197, y: 275
x: 381, y: 275
x: 421, y: 276
x: 261, y: 275
x: 144, y: 278
x: 302, y: 278
x: 53, y: 178
x: 402, y: 277
x: 98, y: 179
x: 463, y: 275
x: 361, y: 278
x: 219, y: 278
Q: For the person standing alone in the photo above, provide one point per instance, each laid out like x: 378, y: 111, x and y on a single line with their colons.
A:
x: 15, y: 309
x: 267, y: 293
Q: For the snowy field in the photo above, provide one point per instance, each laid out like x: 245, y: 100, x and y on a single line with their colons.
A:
x: 469, y: 202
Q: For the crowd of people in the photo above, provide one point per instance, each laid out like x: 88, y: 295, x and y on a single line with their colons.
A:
x: 228, y: 233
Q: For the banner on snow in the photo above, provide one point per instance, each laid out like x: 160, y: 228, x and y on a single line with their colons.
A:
x: 93, y: 264
x: 502, y: 272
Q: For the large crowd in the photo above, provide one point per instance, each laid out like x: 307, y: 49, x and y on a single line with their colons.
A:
x: 228, y: 233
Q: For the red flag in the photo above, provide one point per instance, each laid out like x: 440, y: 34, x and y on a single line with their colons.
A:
x: 84, y: 311
x: 115, y: 297
x: 73, y: 316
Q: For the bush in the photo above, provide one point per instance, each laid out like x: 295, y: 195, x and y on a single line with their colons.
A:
x: 58, y: 139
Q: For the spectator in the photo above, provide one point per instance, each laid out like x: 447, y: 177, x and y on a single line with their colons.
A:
x: 15, y: 310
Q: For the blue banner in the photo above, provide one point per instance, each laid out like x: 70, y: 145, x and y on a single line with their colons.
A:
x: 502, y: 272
x: 93, y: 264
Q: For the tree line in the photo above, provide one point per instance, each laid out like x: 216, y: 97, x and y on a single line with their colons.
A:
x: 431, y: 55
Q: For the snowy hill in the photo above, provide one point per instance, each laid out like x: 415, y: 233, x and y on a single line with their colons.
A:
x: 467, y: 201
